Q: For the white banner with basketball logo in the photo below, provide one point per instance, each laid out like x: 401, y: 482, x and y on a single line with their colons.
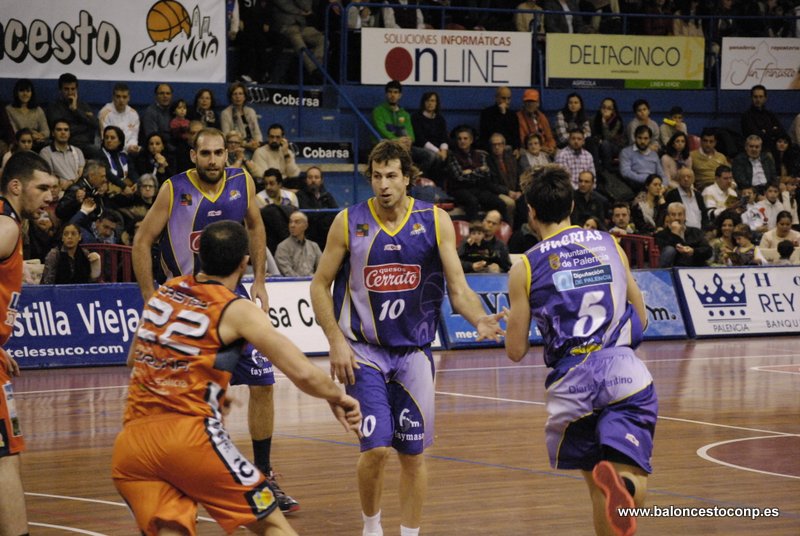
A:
x: 742, y: 300
x: 153, y: 40
x: 445, y: 57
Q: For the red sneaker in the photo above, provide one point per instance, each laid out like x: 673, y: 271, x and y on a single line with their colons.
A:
x: 617, y: 496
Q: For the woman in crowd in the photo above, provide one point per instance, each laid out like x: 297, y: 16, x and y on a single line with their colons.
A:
x: 23, y: 112
x: 675, y: 157
x: 782, y: 231
x: 532, y: 156
x: 121, y: 171
x: 23, y: 141
x: 70, y: 264
x: 152, y: 160
x: 648, y: 208
x: 239, y: 117
x: 723, y: 243
x: 786, y: 156
x: 571, y: 116
x: 203, y: 109
x: 608, y: 134
x: 430, y: 126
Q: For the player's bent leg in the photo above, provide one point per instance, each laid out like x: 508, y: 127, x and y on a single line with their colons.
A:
x: 172, y: 530
x: 413, y: 487
x: 274, y: 524
x: 13, y: 518
x: 371, y: 465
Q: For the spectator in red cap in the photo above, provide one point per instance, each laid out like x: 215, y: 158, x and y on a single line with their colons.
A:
x: 533, y: 121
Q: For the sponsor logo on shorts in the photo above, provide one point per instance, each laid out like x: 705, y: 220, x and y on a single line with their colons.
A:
x: 393, y: 277
x: 630, y: 437
x: 405, y: 424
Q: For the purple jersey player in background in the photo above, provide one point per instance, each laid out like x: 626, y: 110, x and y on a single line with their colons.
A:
x: 389, y: 257
x: 601, y: 403
x: 185, y: 205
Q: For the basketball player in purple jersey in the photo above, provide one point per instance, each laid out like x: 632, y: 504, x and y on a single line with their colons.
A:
x: 185, y: 205
x: 388, y: 259
x: 601, y: 403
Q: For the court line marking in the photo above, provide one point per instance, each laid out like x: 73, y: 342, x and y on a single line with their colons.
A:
x: 95, y: 501
x: 703, y: 453
x: 762, y: 368
x: 677, y: 419
x: 468, y: 369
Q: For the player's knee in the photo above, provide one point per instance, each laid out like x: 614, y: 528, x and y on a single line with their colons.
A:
x: 261, y: 392
x: 376, y: 455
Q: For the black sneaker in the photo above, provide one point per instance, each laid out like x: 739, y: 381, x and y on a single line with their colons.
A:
x: 285, y: 502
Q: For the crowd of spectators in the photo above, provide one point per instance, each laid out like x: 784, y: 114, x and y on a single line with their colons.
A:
x: 110, y: 166
x: 635, y: 177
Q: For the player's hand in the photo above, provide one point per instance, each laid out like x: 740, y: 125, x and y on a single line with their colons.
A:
x: 343, y: 362
x: 10, y: 364
x: 489, y: 326
x: 348, y: 412
x: 259, y: 294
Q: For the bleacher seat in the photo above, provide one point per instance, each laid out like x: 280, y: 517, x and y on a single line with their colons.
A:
x: 503, y: 232
x: 641, y: 250
x: 115, y: 260
x: 462, y: 231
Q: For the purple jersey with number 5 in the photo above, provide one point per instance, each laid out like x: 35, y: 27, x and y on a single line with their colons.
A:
x: 578, y: 288
x: 389, y: 289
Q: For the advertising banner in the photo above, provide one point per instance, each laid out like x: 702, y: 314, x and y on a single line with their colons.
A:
x: 664, y: 318
x: 493, y: 292
x: 311, y: 98
x: 181, y: 41
x: 741, y: 300
x: 646, y: 62
x: 445, y: 57
x: 308, y: 152
x: 748, y: 61
x: 75, y: 325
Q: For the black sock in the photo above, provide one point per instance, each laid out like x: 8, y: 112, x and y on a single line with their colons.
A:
x: 261, y: 451
x: 630, y: 486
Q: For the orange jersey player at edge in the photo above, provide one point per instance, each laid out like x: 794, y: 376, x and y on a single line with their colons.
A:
x: 173, y: 452
x: 24, y: 190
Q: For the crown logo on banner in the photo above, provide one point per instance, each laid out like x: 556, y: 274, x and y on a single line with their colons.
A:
x: 720, y: 302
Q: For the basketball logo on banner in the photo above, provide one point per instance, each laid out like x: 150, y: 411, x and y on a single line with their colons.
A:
x: 179, y: 39
x: 166, y: 19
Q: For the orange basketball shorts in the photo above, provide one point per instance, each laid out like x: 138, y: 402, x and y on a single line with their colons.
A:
x: 164, y: 465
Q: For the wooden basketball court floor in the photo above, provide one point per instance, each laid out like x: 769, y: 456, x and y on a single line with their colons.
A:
x: 728, y: 436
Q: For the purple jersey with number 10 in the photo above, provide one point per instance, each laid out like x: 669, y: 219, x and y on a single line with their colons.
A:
x: 577, y: 283
x: 390, y: 287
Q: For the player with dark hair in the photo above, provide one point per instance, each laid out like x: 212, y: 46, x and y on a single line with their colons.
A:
x: 601, y: 403
x: 173, y: 451
x: 24, y: 190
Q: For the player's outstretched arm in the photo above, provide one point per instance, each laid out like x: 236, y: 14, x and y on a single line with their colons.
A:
x: 634, y: 294
x: 342, y: 359
x: 463, y: 298
x: 518, y: 321
x: 257, y: 236
x: 244, y: 319
x: 152, y: 226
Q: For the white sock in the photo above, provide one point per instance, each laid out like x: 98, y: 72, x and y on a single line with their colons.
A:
x: 372, y: 525
x: 405, y: 531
